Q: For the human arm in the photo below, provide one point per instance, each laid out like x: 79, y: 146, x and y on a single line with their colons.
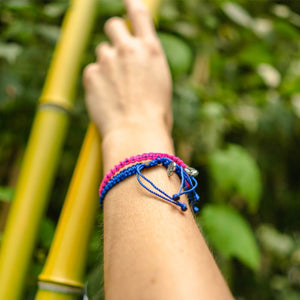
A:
x: 152, y: 250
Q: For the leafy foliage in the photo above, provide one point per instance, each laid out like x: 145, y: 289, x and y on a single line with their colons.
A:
x: 6, y: 194
x: 236, y: 71
x: 234, y: 170
x: 230, y: 234
x: 180, y: 61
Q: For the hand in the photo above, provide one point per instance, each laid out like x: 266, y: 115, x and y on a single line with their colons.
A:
x: 130, y: 84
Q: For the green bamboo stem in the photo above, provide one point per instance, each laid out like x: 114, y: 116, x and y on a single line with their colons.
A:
x: 43, y: 150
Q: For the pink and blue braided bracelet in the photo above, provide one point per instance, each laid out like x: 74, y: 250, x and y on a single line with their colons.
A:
x: 171, y: 162
x: 138, y: 158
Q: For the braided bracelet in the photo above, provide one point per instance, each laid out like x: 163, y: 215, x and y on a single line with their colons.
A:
x: 187, y: 186
x: 144, y: 157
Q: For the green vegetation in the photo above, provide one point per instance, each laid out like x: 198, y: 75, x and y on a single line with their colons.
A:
x: 236, y: 71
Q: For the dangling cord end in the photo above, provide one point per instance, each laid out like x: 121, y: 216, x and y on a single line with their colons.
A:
x: 182, y: 206
x: 195, y: 209
x: 175, y: 198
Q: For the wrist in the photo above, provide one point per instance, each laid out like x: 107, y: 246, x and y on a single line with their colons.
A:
x: 134, y: 139
x: 113, y: 123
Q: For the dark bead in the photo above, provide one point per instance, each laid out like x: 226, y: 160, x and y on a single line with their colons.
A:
x: 176, y: 198
x: 183, y: 207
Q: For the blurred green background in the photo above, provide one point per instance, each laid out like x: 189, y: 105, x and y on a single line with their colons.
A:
x: 236, y: 71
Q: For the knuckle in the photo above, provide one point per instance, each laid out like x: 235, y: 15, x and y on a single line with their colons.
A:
x: 142, y: 11
x: 126, y: 48
x: 153, y: 46
x: 106, y: 58
x: 89, y: 73
x: 104, y: 53
x: 99, y: 49
x: 111, y: 22
x: 102, y: 49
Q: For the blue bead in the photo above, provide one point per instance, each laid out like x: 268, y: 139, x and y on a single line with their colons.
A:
x: 196, y: 209
x: 183, y: 207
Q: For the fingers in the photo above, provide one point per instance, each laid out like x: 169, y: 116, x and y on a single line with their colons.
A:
x: 90, y: 73
x: 103, y: 52
x: 140, y: 18
x: 141, y: 23
x: 117, y: 31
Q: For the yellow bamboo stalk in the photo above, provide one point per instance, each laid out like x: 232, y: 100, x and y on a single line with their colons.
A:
x: 63, y: 274
x: 43, y: 150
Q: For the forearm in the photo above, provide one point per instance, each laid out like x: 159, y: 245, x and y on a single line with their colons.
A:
x: 152, y: 250
x: 147, y: 241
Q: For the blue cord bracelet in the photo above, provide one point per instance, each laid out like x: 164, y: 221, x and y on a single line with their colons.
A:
x: 187, y: 186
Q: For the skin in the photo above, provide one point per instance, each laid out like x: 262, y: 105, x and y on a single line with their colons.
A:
x: 152, y: 250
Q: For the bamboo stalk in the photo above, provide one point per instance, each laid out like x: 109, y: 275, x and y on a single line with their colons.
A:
x: 43, y: 150
x: 75, y: 224
x: 65, y: 264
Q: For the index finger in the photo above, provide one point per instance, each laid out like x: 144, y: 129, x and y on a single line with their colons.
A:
x: 140, y: 18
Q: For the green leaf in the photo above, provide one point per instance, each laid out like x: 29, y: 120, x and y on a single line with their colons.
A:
x: 55, y: 10
x: 262, y: 27
x: 18, y: 4
x: 10, y: 51
x: 6, y: 193
x: 237, y: 14
x: 230, y: 234
x: 278, y: 243
x: 286, y: 30
x: 235, y: 171
x: 178, y: 53
x: 110, y: 7
x: 255, y: 54
x: 49, y: 32
x: 95, y: 285
x: 269, y: 74
x: 47, y: 230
